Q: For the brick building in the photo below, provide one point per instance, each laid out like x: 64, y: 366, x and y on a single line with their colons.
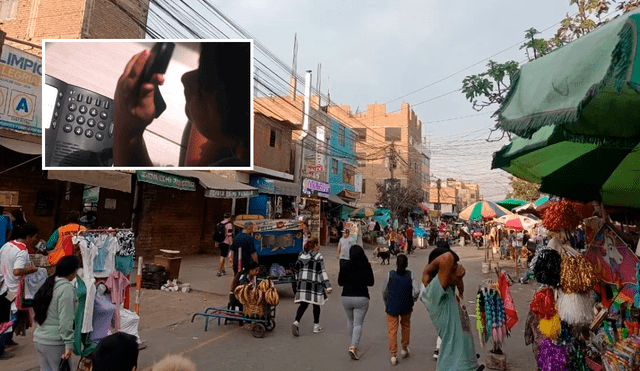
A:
x: 376, y: 128
x: 454, y: 195
x: 34, y: 20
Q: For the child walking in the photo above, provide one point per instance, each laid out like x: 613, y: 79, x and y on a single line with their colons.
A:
x: 400, y: 291
x: 312, y: 285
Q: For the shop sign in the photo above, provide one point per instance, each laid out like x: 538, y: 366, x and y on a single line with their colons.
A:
x: 20, y: 90
x: 166, y: 180
x: 222, y: 193
x: 313, y: 187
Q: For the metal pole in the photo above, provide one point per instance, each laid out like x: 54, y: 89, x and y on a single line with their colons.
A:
x: 138, y: 286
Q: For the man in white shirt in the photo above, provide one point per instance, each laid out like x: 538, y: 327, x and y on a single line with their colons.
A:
x: 344, y: 245
x: 14, y: 262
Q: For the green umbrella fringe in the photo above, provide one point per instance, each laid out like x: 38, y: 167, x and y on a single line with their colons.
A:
x: 607, y: 142
x: 619, y: 70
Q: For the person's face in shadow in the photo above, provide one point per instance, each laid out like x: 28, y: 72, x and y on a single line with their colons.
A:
x: 201, y: 107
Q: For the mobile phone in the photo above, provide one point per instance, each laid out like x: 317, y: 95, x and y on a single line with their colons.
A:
x: 157, y: 63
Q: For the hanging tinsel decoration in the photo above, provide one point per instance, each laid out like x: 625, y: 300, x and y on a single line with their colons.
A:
x: 577, y: 274
x: 480, y: 317
x: 552, y: 357
x: 636, y: 300
x: 578, y: 361
x: 550, y: 328
x: 547, y: 268
x: 565, y: 334
x: 575, y: 309
x: 543, y: 304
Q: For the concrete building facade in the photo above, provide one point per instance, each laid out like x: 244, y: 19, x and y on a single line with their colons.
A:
x: 379, y: 133
x: 454, y: 195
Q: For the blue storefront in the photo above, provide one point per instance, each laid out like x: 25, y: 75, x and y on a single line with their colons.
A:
x: 276, y: 198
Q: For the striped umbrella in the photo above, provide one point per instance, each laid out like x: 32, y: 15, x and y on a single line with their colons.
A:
x: 511, y: 203
x: 483, y: 210
x: 608, y: 172
x: 517, y: 222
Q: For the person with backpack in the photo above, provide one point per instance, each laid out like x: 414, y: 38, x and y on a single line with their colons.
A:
x: 223, y: 237
x: 400, y: 291
x: 54, y: 307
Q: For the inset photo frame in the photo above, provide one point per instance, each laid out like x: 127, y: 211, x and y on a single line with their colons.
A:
x: 141, y: 104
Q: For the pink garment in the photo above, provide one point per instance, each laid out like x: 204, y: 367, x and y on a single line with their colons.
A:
x: 117, y: 283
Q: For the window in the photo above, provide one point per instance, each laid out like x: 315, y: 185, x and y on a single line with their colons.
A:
x: 8, y: 9
x: 341, y: 135
x: 348, y: 174
x: 362, y: 134
x: 362, y: 159
x: 364, y: 185
x: 272, y: 138
x: 334, y: 166
x: 391, y: 134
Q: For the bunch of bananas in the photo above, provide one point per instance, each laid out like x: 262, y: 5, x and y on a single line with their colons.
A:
x: 265, y: 292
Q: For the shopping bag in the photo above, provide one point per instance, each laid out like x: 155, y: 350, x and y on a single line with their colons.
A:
x: 64, y: 365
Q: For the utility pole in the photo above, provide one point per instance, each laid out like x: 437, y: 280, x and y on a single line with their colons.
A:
x: 439, y: 184
x: 392, y: 158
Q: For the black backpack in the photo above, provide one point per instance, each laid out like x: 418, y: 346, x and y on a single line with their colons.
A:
x: 220, y: 234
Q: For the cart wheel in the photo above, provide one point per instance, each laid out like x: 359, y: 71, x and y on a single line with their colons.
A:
x: 270, y: 325
x: 258, y: 330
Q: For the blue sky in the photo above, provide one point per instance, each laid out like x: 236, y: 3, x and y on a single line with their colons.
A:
x: 376, y: 51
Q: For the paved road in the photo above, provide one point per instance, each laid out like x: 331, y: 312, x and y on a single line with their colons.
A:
x: 230, y: 347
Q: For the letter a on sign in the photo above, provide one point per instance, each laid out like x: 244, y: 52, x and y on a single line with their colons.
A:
x: 23, y: 105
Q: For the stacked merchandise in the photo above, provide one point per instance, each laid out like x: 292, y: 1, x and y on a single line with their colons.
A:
x: 256, y: 299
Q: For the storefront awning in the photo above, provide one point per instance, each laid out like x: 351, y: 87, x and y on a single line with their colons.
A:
x: 337, y: 200
x: 111, y: 179
x: 349, y: 194
x: 28, y: 148
x: 217, y: 186
x: 275, y: 187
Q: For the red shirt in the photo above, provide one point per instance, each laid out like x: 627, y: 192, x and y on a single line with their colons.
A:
x: 409, y: 233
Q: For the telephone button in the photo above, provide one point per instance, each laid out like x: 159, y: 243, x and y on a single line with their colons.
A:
x: 88, y: 100
x: 98, y: 102
x: 80, y: 120
x: 93, y: 112
x: 88, y: 133
x: 60, y: 95
x: 54, y: 124
x: 103, y: 115
x: 91, y: 123
x: 78, y: 130
x: 79, y: 97
x: 83, y: 109
x: 111, y: 130
x: 58, y: 104
x: 72, y: 107
x: 70, y: 117
x: 67, y: 128
x: 106, y: 104
x: 99, y: 136
x: 56, y: 114
x: 101, y: 125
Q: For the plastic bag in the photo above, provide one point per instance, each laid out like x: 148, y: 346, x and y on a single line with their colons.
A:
x: 276, y: 270
x: 129, y: 323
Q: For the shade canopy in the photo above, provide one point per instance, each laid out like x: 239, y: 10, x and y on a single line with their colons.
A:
x: 589, y: 88
x: 517, y: 222
x: 483, y: 210
x: 511, y: 203
x: 578, y: 171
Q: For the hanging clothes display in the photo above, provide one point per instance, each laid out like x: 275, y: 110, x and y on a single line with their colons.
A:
x: 117, y: 283
x: 103, y: 314
x: 126, y: 243
x: 89, y: 252
x: 107, y: 246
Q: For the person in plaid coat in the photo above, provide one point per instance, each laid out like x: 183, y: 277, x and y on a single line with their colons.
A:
x: 312, y: 285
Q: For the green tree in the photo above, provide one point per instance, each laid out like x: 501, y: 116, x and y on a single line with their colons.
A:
x: 523, y: 190
x: 490, y: 85
x: 398, y: 198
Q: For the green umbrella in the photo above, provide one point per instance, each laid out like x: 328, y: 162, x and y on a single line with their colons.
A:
x: 511, y: 203
x: 578, y: 171
x: 590, y: 88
